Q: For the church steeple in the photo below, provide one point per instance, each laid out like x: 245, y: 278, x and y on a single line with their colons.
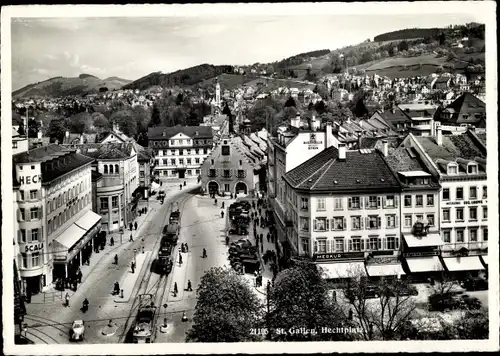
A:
x: 217, y: 93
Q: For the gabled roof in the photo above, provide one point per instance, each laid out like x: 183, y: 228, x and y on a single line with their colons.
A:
x: 467, y: 104
x: 360, y: 171
x: 191, y: 131
x: 106, y: 150
x: 398, y: 116
x: 121, y: 136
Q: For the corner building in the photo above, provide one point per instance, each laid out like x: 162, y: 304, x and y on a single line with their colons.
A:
x: 54, y: 224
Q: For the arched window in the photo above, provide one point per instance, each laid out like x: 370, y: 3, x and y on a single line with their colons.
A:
x: 110, y: 169
x: 105, y: 169
x: 117, y: 170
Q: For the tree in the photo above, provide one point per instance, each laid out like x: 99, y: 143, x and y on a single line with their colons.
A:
x: 473, y: 325
x: 385, y: 319
x: 44, y: 118
x: 33, y: 127
x: 126, y: 121
x: 300, y: 299
x: 155, y: 116
x: 103, y: 90
x: 57, y: 130
x: 322, y: 91
x: 142, y: 118
x: 290, y: 102
x: 227, y: 309
x: 80, y: 123
x: 101, y: 122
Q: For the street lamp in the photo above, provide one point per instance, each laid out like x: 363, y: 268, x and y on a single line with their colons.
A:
x: 121, y: 236
x: 135, y: 252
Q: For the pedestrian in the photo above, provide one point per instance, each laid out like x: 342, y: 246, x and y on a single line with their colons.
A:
x: 132, y: 266
x: 204, y: 253
x: 189, y: 288
x: 130, y: 226
x: 180, y: 186
x: 222, y: 214
x: 135, y: 225
x: 186, y: 246
x: 175, y: 288
x: 66, y: 298
x: 180, y: 259
x: 222, y: 205
x: 267, y: 236
x: 261, y: 238
x: 116, y: 259
x: 227, y: 240
x: 131, y: 239
x: 79, y: 275
x: 111, y: 241
x: 215, y: 201
x: 117, y: 288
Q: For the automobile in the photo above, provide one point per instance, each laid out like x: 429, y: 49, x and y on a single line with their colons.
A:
x: 372, y: 291
x: 403, y: 291
x: 447, y: 301
x: 77, y: 331
x: 476, y: 283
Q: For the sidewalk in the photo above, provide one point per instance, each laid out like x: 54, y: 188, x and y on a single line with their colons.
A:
x: 127, y: 284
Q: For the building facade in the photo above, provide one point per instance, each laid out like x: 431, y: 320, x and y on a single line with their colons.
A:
x: 180, y: 151
x: 235, y: 166
x: 54, y: 223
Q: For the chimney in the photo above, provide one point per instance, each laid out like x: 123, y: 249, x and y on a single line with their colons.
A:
x: 385, y: 148
x: 439, y: 136
x: 82, y: 140
x: 433, y: 127
x: 295, y: 122
x: 39, y: 134
x: 313, y: 123
x: 342, y: 150
x: 329, y: 135
x: 67, y: 134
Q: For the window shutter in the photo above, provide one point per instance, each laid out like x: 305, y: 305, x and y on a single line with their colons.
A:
x: 349, y: 203
x: 379, y: 222
x: 367, y: 222
x: 332, y: 223
x: 396, y: 221
x: 367, y: 201
x: 327, y: 224
x: 379, y: 243
x: 350, y: 245
x: 396, y: 239
x: 384, y: 243
x: 361, y: 225
x: 379, y: 202
x: 40, y: 213
x: 315, y: 246
x: 315, y: 226
x: 19, y: 240
x: 330, y: 246
x: 384, y: 201
x: 344, y: 225
x: 18, y: 215
x: 28, y: 236
x: 361, y: 202
x: 396, y: 201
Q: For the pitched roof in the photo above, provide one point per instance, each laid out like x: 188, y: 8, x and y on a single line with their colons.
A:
x: 467, y: 104
x: 105, y: 150
x: 191, y: 131
x: 360, y: 171
x: 403, y: 159
x: 397, y: 116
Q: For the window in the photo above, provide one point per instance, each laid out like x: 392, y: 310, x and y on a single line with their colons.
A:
x: 104, y: 203
x: 227, y: 173
x: 241, y: 162
x: 35, y: 259
x: 472, y: 192
x: 189, y: 172
x: 196, y: 150
x: 24, y: 260
x: 188, y: 151
x: 452, y: 169
x: 419, y: 200
x: 356, y: 222
x: 485, y: 192
x: 211, y: 172
x: 355, y: 244
x: 305, y: 245
x: 304, y: 224
x: 391, y: 221
x: 354, y: 203
x: 114, y: 202
x: 205, y: 151
x: 172, y: 161
x: 389, y: 201
x: 188, y: 160
x: 460, y: 235
x: 197, y: 160
x: 320, y: 224
x: 372, y: 201
x: 373, y: 243
x: 473, y: 235
x: 473, y: 213
x: 430, y: 199
x: 34, y: 213
x: 197, y: 171
x: 460, y: 193
x: 241, y: 173
x: 485, y: 234
x: 110, y: 169
x: 339, y: 245
x: 446, y: 214
x: 304, y: 204
x: 446, y: 193
x: 392, y: 243
x: 338, y: 223
x: 408, y: 220
x: 181, y: 160
x: 226, y: 187
x: 22, y: 235
x: 320, y: 204
x: 460, y: 214
x: 472, y: 169
x: 373, y: 222
x: 212, y: 161
x: 447, y: 235
x: 485, y: 212
x: 321, y: 245
x: 21, y: 195
x: 430, y: 219
x: 33, y: 194
x: 225, y: 150
x: 34, y: 235
x: 105, y: 169
x: 407, y: 201
x: 337, y: 203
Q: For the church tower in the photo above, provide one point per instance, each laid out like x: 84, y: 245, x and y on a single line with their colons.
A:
x: 217, y: 94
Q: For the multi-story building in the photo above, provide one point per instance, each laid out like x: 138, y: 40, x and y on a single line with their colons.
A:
x: 459, y: 162
x: 466, y: 110
x: 342, y: 207
x: 292, y: 146
x: 19, y: 142
x: 115, y: 178
x: 180, y: 151
x: 422, y: 117
x: 419, y: 212
x: 54, y: 224
x: 236, y: 165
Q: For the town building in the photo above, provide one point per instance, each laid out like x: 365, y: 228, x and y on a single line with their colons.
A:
x: 19, y: 142
x: 459, y: 162
x: 179, y: 151
x: 115, y: 181
x: 53, y: 224
x: 342, y: 208
x: 396, y: 117
x: 467, y: 111
x: 235, y: 166
x: 421, y: 115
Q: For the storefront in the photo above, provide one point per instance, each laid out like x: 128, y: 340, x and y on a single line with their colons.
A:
x: 462, y: 267
x: 380, y: 267
x: 340, y: 267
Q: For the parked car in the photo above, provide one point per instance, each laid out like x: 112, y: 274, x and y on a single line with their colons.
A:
x: 372, y: 291
x: 77, y: 331
x: 476, y: 283
x: 453, y: 300
x: 402, y: 291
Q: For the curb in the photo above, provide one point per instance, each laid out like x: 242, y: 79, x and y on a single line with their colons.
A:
x: 139, y: 277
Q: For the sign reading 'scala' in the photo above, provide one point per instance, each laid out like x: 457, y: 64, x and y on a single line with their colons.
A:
x: 34, y: 247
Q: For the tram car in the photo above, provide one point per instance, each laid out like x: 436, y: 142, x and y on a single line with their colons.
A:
x: 174, y: 217
x: 144, y: 328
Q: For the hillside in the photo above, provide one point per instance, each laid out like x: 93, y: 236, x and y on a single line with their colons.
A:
x: 61, y: 86
x: 408, y: 33
x: 189, y: 76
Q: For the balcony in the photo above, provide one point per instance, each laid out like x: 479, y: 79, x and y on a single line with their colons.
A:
x: 212, y: 174
x: 241, y: 174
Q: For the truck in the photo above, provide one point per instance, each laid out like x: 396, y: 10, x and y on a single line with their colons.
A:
x: 144, y: 328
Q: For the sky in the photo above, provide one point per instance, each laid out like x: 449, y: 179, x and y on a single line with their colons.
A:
x: 131, y: 47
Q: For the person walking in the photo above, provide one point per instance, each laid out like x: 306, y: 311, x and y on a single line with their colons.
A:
x: 215, y: 201
x: 66, y: 298
x: 186, y: 246
x: 222, y: 205
x: 180, y: 186
x: 204, y: 253
x: 130, y: 226
x: 180, y: 260
x: 135, y: 225
x: 175, y: 288
x: 132, y: 266
x: 116, y: 259
x: 111, y: 241
x: 79, y: 275
x: 189, y: 288
x: 131, y: 239
x: 222, y: 214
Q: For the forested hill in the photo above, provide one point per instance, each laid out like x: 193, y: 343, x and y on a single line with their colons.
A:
x: 408, y: 33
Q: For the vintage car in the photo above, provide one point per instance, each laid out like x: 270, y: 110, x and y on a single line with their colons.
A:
x: 77, y: 330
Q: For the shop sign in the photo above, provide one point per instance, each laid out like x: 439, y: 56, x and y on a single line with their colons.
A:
x: 30, y: 179
x: 338, y: 256
x: 421, y: 254
x: 313, y: 144
x: 467, y: 202
x: 33, y: 247
x: 382, y: 253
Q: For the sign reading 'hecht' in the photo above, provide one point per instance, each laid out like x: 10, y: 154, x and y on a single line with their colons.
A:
x: 30, y: 179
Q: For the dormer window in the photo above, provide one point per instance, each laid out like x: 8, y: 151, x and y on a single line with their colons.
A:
x: 472, y: 169
x: 452, y: 169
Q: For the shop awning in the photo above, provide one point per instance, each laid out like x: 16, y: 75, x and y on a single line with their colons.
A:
x: 485, y: 259
x: 464, y: 263
x: 67, y: 240
x: 342, y: 269
x: 377, y: 270
x: 88, y: 221
x: 424, y: 264
x: 433, y: 239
